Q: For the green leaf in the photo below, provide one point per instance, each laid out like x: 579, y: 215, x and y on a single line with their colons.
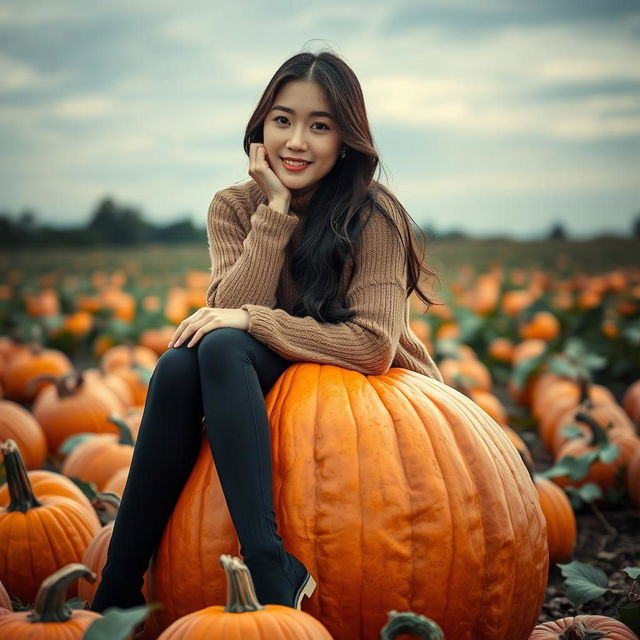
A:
x: 583, y: 582
x: 117, y: 624
x: 525, y: 368
x: 594, y: 361
x: 582, y: 464
x: 562, y: 367
x: 73, y: 441
x: 608, y: 452
x: 561, y: 468
x: 88, y: 488
x: 589, y: 492
x: 572, y: 431
x: 632, y: 572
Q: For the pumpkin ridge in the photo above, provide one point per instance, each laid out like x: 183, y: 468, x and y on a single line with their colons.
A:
x: 496, y: 461
x: 465, y: 438
x: 58, y: 518
x: 316, y: 468
x: 526, y: 508
x: 348, y: 388
x: 426, y: 407
x: 41, y: 522
x: 393, y: 390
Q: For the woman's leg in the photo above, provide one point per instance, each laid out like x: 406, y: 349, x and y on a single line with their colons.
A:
x: 165, y: 452
x: 236, y: 372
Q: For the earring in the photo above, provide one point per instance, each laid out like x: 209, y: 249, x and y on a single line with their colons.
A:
x: 343, y: 154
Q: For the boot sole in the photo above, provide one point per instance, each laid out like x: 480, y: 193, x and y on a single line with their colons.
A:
x: 306, y: 589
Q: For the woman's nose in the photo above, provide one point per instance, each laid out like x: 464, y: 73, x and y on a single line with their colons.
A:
x: 297, y: 141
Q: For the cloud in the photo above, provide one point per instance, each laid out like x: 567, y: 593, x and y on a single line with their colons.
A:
x: 84, y: 107
x: 16, y: 75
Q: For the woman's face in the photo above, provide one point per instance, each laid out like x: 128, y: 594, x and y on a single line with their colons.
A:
x: 293, y: 130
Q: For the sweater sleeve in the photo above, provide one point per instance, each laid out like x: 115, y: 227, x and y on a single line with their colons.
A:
x: 377, y: 295
x: 245, y: 267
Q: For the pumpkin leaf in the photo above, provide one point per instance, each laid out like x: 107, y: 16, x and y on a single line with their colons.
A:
x: 117, y: 624
x: 88, y: 488
x: 562, y: 367
x: 632, y: 572
x: 572, y: 431
x: 630, y: 615
x: 73, y: 441
x: 583, y: 582
x: 575, y: 468
x: 525, y: 368
x: 608, y: 452
x: 586, y: 493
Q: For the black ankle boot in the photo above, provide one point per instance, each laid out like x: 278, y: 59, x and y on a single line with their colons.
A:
x: 285, y: 582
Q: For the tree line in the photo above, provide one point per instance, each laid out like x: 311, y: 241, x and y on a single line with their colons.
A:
x: 109, y: 224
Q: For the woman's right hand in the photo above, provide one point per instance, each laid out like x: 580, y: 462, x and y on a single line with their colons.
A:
x: 263, y: 174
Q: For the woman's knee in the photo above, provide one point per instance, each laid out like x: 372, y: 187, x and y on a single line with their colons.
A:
x: 177, y: 363
x: 224, y: 343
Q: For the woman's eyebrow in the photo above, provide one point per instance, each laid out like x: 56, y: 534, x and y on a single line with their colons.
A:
x: 311, y: 113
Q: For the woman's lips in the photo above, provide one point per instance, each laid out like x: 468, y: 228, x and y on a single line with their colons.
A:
x: 291, y: 167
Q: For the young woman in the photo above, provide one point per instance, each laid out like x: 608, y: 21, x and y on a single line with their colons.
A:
x: 309, y: 263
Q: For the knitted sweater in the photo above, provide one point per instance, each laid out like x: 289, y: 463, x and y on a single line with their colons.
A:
x: 251, y: 246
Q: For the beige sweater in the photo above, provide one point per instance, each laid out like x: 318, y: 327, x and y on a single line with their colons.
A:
x: 251, y: 245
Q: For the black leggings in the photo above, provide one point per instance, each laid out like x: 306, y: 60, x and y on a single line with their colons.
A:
x: 223, y: 377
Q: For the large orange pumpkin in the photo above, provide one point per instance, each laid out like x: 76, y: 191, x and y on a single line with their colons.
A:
x: 396, y: 491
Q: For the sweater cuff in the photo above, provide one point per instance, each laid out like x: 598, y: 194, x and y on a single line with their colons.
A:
x: 260, y: 322
x: 273, y: 223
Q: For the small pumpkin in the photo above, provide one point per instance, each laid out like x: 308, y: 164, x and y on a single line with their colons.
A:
x: 583, y: 628
x: 70, y: 406
x: 99, y: 456
x: 243, y: 616
x: 30, y: 364
x: 50, y: 618
x: 39, y: 535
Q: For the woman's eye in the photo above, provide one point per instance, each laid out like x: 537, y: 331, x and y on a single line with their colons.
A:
x: 279, y: 121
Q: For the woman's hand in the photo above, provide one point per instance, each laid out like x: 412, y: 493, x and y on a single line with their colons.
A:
x: 263, y: 174
x: 207, y: 319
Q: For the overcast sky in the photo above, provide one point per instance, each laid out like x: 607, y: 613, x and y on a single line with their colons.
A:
x: 492, y: 116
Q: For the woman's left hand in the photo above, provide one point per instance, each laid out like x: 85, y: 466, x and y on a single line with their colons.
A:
x: 207, y: 319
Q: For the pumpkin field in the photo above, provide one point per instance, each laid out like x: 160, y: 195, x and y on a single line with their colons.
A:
x: 503, y: 504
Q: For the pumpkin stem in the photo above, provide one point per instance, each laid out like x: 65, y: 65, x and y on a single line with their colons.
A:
x: 49, y: 606
x: 409, y: 622
x: 579, y: 631
x: 108, y: 497
x: 585, y: 385
x: 241, y: 595
x: 58, y: 381
x: 126, y: 436
x: 598, y: 436
x: 20, y: 489
x: 75, y: 380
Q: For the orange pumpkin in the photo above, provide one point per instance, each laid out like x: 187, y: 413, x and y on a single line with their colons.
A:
x: 49, y: 483
x: 39, y: 536
x: 16, y: 423
x: 70, y: 407
x: 127, y: 356
x: 633, y: 479
x: 20, y: 374
x: 583, y: 627
x: 50, y: 618
x: 631, y: 401
x: 98, y: 457
x: 244, y: 617
x: 374, y: 478
x: 562, y: 531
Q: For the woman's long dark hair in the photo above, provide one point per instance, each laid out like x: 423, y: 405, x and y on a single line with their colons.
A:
x: 332, y: 225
